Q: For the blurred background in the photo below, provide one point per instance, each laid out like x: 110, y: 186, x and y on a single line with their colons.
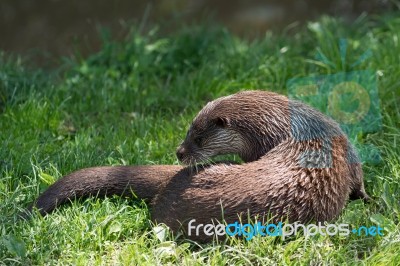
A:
x: 46, y: 30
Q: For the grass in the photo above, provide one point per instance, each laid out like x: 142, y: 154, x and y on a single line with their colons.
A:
x: 131, y: 103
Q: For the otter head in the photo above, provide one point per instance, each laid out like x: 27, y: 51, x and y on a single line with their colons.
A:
x: 207, y: 138
x: 244, y: 123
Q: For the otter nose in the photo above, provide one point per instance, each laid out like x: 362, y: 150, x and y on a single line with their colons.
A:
x: 180, y: 152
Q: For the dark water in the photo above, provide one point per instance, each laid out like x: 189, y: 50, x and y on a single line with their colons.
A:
x: 45, y: 30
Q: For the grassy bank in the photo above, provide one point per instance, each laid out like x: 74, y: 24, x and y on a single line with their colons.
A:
x: 131, y: 103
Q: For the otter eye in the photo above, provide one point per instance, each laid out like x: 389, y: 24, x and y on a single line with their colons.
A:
x: 198, y: 140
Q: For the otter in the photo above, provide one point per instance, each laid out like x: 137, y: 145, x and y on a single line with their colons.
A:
x: 298, y: 166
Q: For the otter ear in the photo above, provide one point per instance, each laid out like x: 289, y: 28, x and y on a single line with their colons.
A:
x: 222, y: 122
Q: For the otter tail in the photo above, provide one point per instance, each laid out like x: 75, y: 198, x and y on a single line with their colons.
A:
x: 142, y: 181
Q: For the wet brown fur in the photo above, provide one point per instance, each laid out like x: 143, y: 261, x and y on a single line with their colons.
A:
x: 290, y: 171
